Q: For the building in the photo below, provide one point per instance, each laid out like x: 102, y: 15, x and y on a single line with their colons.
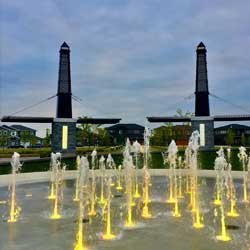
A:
x: 240, y: 134
x: 19, y: 135
x: 9, y: 137
x: 120, y: 132
x: 163, y: 135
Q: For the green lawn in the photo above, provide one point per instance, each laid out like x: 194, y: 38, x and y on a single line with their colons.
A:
x: 45, y: 152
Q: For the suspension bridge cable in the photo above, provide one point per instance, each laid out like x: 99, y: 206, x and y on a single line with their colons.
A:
x: 231, y: 103
x: 93, y: 107
x: 184, y: 99
x: 34, y: 105
x: 76, y: 98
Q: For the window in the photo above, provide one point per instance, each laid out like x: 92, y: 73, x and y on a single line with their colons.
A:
x: 222, y: 132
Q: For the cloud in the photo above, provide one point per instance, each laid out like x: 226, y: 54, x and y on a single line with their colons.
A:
x: 129, y: 59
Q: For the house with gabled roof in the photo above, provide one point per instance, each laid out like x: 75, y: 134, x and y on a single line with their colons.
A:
x: 121, y: 131
x: 238, y: 131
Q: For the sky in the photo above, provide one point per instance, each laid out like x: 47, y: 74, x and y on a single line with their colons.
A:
x: 129, y: 58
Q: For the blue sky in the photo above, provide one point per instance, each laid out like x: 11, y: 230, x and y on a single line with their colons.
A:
x: 129, y: 59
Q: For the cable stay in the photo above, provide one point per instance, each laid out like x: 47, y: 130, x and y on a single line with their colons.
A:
x: 76, y: 98
x: 33, y: 105
x: 93, y: 107
x: 184, y: 99
x: 230, y: 103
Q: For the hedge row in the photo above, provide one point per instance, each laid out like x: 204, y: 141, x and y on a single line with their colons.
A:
x: 45, y: 152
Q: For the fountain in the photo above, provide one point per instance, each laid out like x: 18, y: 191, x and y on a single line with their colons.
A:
x: 193, y: 147
x: 187, y: 167
x: 111, y: 165
x: 227, y: 222
x: 170, y: 198
x: 243, y: 159
x: 146, y: 184
x: 220, y: 166
x: 180, y: 182
x: 78, y: 159
x: 14, y: 209
x: 128, y: 169
x: 108, y: 234
x: 52, y: 196
x: 94, y: 161
x: 56, y: 166
x: 171, y: 158
x: 217, y: 200
x: 102, y: 168
x: 231, y: 193
x: 83, y: 179
x: 136, y: 148
x: 119, y: 178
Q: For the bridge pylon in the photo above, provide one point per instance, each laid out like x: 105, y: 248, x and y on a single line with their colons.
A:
x: 202, y: 121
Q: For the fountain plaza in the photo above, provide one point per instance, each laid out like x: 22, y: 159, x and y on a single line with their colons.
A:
x: 101, y: 205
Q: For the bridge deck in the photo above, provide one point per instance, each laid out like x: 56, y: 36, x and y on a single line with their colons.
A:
x: 217, y: 118
x: 223, y: 118
x: 30, y: 119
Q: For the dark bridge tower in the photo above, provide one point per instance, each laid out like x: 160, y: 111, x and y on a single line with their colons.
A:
x: 63, y: 126
x: 64, y: 101
x: 202, y: 121
x: 201, y: 91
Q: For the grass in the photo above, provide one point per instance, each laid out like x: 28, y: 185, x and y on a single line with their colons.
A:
x: 45, y: 152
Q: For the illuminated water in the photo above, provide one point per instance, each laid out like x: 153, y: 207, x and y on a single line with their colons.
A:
x: 35, y: 231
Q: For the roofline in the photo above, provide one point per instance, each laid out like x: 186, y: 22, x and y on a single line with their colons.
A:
x: 22, y: 126
x: 236, y: 124
x: 9, y: 127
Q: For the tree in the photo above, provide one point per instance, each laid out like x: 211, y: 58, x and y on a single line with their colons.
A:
x: 248, y: 141
x: 84, y: 134
x: 47, y: 138
x: 230, y: 137
x: 3, y: 140
x: 103, y: 136
x: 33, y: 140
x: 25, y: 137
x: 87, y: 132
x: 162, y: 135
x: 181, y: 113
x: 243, y: 139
